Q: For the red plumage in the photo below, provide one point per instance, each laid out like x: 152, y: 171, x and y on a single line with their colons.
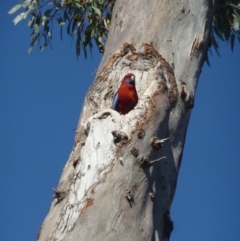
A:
x: 126, y: 98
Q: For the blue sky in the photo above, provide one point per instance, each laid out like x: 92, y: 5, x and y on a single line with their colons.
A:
x: 41, y: 96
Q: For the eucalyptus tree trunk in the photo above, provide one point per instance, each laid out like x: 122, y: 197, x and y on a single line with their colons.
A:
x: 121, y: 176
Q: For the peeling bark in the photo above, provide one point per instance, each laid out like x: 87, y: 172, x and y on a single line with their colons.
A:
x: 120, y: 179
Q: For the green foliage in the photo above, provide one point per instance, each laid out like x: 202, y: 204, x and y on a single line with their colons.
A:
x: 86, y: 20
x: 89, y: 20
x: 225, y: 25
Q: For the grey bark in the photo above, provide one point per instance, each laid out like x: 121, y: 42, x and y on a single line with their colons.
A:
x: 114, y: 186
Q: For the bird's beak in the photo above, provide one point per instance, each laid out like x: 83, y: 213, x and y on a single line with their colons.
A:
x: 132, y: 79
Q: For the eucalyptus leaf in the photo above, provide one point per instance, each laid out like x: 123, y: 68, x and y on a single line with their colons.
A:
x: 60, y: 21
x: 232, y: 41
x: 85, y: 52
x: 78, y: 46
x: 235, y: 24
x: 86, y: 19
x: 69, y: 27
x: 30, y: 49
x: 30, y: 22
x: 235, y: 6
x: 97, y: 10
x: 20, y: 17
x: 27, y: 3
x: 78, y: 4
x: 36, y: 28
x: 42, y: 48
x: 15, y: 8
x: 216, y: 31
x: 73, y: 26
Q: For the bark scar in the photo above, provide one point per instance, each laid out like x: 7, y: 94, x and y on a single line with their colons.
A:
x: 196, y: 46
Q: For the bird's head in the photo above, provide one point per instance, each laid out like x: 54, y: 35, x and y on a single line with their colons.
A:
x: 129, y: 79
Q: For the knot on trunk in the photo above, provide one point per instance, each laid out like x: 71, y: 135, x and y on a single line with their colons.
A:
x: 119, y: 136
x: 59, y: 194
x: 158, y: 144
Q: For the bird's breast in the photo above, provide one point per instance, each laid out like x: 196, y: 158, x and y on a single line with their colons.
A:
x: 128, y: 94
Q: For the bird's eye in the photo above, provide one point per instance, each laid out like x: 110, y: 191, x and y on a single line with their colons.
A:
x: 132, y: 77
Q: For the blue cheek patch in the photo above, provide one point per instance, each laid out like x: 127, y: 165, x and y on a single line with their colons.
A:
x: 115, y: 102
x: 128, y: 81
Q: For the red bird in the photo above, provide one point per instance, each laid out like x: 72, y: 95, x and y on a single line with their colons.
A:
x: 126, y: 98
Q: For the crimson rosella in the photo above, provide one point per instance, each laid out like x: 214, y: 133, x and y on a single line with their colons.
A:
x: 126, y: 97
